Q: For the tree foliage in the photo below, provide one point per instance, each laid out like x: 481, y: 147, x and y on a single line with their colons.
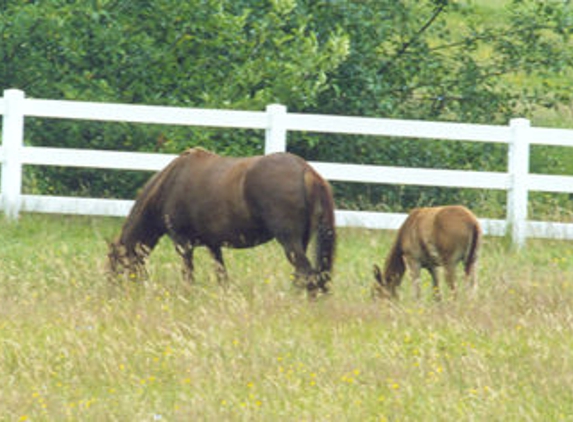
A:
x: 431, y: 59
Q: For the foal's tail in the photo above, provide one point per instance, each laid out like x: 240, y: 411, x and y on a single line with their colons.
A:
x: 474, y: 247
x: 320, y: 199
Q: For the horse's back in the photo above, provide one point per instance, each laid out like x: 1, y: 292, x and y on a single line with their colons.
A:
x: 217, y: 174
x: 275, y: 189
x: 276, y: 175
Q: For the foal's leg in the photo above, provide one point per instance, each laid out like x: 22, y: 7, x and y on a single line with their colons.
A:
x: 435, y: 283
x: 450, y: 269
x: 414, y: 267
x: 220, y: 269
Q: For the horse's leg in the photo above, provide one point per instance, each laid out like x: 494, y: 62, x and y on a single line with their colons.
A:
x: 304, y: 274
x: 183, y: 246
x: 185, y: 250
x: 435, y: 283
x: 134, y: 264
x: 220, y: 269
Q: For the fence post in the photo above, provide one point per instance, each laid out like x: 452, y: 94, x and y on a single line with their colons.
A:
x: 518, y: 167
x: 275, y: 135
x: 12, y: 142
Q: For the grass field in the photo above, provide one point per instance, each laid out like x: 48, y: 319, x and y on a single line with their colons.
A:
x: 75, y: 347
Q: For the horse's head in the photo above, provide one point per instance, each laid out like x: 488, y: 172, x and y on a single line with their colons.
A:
x: 121, y: 261
x: 117, y: 260
x: 382, y: 288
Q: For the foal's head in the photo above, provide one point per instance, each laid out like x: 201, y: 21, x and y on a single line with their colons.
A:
x: 384, y: 287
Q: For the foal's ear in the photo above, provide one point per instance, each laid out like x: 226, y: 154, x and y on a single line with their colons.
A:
x: 378, y: 274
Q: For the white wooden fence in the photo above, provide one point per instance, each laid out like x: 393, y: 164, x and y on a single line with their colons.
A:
x: 276, y: 122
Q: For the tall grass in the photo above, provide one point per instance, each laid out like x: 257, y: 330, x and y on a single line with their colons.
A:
x: 73, y: 346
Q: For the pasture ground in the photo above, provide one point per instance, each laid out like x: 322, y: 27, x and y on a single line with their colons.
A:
x: 75, y: 347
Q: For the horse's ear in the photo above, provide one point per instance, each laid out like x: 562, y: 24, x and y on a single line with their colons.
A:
x: 378, y: 274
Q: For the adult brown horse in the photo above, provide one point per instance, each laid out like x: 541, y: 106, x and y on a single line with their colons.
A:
x: 430, y: 238
x: 203, y: 199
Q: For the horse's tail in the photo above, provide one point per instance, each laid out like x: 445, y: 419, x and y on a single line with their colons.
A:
x: 473, y: 250
x: 319, y: 195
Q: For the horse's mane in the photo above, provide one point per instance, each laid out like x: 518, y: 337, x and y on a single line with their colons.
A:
x: 148, y: 195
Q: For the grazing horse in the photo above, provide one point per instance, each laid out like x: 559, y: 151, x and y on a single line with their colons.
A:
x: 430, y: 238
x: 203, y: 199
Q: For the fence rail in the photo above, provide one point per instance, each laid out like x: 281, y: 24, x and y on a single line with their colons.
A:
x: 277, y: 122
